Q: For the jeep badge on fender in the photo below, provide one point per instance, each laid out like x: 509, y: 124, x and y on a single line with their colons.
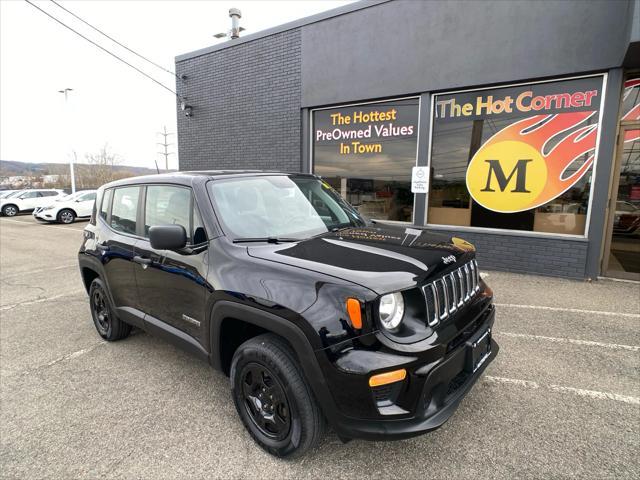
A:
x: 317, y: 317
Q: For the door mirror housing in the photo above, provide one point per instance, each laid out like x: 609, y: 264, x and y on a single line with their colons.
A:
x: 167, y: 237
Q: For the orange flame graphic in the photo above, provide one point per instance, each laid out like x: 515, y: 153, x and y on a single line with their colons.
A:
x: 634, y: 113
x: 537, y: 131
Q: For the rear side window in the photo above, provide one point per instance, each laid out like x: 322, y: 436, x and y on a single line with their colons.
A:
x: 167, y: 205
x: 31, y: 195
x: 49, y: 194
x: 106, y: 201
x: 125, y: 207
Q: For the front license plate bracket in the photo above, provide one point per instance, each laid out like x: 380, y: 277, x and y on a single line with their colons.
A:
x: 478, y: 349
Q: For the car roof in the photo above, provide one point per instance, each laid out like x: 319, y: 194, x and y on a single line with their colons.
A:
x: 187, y: 177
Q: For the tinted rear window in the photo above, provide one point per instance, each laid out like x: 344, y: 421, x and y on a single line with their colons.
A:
x: 125, y: 208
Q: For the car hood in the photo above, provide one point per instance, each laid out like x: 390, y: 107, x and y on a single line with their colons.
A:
x: 383, y: 258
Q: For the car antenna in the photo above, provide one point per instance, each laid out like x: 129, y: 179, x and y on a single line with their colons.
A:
x: 157, y: 169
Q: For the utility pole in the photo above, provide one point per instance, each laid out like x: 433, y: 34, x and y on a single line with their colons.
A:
x: 67, y: 126
x: 166, y: 145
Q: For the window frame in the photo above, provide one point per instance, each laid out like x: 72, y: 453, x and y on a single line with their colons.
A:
x: 504, y: 231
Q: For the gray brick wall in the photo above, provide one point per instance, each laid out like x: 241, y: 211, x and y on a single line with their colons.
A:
x: 515, y: 253
x: 246, y: 106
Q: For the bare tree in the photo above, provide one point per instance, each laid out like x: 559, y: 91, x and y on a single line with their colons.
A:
x: 102, y: 168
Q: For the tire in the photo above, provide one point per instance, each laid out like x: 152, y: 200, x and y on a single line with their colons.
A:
x: 66, y: 216
x: 281, y: 415
x: 10, y: 210
x: 109, y: 327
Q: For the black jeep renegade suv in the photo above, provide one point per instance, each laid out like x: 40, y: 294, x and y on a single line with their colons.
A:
x: 315, y: 314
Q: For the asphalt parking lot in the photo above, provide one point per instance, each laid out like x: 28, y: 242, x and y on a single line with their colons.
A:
x: 561, y: 400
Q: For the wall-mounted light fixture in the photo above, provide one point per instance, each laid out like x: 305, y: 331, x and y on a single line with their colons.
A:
x: 187, y: 109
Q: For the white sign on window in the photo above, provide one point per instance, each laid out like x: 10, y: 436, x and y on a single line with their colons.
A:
x: 420, y: 180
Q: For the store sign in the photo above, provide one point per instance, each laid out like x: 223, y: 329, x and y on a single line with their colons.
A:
x: 365, y: 129
x: 547, y: 146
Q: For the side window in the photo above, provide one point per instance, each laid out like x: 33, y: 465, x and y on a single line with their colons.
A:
x: 125, y: 207
x: 49, y: 194
x: 167, y: 205
x: 199, y: 234
x: 89, y: 197
x: 30, y: 195
x: 104, y: 207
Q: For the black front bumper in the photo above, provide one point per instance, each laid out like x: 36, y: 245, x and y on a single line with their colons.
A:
x: 445, y: 385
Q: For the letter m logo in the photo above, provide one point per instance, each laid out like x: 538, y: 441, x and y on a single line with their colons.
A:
x: 519, y: 171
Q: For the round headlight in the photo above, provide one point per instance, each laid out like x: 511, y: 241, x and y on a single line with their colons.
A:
x: 391, y: 310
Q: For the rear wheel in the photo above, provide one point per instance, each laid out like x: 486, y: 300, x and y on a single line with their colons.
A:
x: 109, y: 326
x: 66, y: 216
x: 273, y: 399
x: 10, y: 210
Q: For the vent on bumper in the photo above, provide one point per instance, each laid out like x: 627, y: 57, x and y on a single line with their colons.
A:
x: 450, y: 292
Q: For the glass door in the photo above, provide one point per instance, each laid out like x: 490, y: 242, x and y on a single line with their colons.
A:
x: 622, y: 253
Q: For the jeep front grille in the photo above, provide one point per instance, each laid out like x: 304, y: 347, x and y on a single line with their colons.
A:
x: 448, y: 293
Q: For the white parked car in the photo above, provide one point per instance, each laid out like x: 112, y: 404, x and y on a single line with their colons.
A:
x: 28, y: 200
x: 67, y: 209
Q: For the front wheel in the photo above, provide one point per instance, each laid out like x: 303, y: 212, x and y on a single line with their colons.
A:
x: 273, y: 399
x: 9, y: 210
x: 66, y: 216
x: 109, y: 326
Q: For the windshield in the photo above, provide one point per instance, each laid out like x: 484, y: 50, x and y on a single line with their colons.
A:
x: 280, y: 206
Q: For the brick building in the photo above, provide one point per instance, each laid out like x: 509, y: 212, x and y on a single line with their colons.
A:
x: 525, y: 113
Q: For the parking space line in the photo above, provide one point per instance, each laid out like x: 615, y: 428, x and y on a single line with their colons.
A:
x: 561, y: 389
x: 572, y: 310
x: 40, y: 300
x: 40, y: 270
x: 29, y: 224
x: 573, y: 341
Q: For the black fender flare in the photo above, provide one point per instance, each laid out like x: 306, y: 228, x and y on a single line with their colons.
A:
x: 224, y: 309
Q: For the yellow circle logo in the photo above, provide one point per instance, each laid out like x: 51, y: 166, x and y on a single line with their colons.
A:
x: 506, y: 176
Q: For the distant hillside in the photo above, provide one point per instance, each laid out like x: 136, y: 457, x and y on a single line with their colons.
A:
x: 9, y: 168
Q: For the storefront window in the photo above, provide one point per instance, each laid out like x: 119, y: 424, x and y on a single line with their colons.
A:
x: 366, y: 153
x: 518, y: 158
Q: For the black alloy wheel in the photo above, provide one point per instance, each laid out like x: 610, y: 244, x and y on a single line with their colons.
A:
x: 108, y: 325
x: 100, y: 309
x: 265, y: 401
x: 273, y: 398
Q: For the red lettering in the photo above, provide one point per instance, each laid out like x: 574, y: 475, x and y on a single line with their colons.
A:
x: 577, y: 99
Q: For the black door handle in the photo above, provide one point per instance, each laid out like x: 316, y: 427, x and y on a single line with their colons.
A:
x: 142, y: 260
x: 102, y: 247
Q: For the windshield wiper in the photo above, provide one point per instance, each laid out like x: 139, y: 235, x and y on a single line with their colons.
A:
x: 266, y: 239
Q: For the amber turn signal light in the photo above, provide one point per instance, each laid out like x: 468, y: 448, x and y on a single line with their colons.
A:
x: 355, y: 312
x: 387, y: 377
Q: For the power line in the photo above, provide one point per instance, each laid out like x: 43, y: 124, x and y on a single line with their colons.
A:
x: 114, y: 40
x: 104, y: 49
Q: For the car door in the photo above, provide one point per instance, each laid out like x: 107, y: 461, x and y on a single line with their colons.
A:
x: 172, y: 285
x: 29, y: 200
x: 84, y: 204
x: 114, y: 244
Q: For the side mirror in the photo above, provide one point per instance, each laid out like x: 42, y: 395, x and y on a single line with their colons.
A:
x: 167, y: 237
